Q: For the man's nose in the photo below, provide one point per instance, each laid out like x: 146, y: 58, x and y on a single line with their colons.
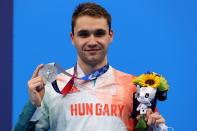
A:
x: 92, y: 38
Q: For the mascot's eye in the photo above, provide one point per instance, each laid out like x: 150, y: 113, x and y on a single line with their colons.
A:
x: 146, y: 95
x: 138, y: 94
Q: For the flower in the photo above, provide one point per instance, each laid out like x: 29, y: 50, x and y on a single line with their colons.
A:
x: 152, y: 79
x: 149, y: 80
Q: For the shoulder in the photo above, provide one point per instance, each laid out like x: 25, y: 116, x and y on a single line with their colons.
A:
x: 124, y: 78
x: 123, y: 75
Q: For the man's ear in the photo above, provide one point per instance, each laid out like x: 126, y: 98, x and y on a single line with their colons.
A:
x: 72, y: 38
x: 111, y: 34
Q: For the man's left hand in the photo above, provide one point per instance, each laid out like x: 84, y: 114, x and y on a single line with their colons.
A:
x: 154, y: 118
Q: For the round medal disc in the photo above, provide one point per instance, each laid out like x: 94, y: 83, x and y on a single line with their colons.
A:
x: 49, y: 72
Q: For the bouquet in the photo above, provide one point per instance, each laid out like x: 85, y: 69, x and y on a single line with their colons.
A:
x: 150, y: 87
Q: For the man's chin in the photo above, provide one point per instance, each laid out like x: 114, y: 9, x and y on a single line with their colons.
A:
x: 93, y: 61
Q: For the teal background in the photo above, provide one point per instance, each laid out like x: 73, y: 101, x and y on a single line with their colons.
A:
x: 150, y: 35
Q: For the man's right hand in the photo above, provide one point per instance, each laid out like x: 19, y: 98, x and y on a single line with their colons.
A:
x: 36, y: 87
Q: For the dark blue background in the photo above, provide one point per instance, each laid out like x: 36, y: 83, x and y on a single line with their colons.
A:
x: 154, y: 35
x: 6, y: 41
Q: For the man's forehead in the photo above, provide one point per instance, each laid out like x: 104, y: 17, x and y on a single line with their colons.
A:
x: 90, y: 23
x: 91, y: 31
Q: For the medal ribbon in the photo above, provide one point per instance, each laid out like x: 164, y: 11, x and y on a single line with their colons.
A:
x: 92, y: 76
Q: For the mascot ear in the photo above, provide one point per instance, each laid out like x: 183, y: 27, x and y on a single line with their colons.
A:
x: 153, y: 93
x: 138, y: 88
x: 137, y: 92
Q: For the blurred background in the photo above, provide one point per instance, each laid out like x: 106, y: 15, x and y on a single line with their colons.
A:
x: 150, y: 35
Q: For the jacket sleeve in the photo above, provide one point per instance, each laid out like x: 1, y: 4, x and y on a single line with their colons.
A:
x: 23, y: 123
x: 33, y: 118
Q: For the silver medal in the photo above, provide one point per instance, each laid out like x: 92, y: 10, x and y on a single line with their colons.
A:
x: 49, y: 72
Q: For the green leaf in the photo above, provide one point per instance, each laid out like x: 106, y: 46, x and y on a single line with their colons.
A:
x: 141, y: 125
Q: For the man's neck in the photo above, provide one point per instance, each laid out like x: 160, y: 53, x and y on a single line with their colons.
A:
x: 88, y: 68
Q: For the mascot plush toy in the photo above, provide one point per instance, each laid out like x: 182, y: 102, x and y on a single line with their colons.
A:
x: 150, y: 88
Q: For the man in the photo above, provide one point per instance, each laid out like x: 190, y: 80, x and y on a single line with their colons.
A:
x: 104, y: 103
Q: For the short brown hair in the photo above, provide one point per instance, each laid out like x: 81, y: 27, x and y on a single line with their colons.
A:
x: 90, y: 9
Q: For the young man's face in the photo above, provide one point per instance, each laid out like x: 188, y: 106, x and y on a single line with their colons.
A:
x: 91, y: 38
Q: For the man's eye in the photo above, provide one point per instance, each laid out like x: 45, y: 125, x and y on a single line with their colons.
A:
x: 84, y: 34
x: 99, y: 33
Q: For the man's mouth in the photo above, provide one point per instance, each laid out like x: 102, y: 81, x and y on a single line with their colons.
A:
x: 92, y: 50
